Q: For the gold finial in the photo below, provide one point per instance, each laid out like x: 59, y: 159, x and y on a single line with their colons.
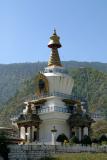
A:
x: 54, y: 41
x: 54, y: 44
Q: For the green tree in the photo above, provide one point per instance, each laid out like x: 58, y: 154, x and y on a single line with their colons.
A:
x: 99, y: 128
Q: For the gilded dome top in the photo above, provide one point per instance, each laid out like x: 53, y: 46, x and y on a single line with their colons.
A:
x: 54, y: 41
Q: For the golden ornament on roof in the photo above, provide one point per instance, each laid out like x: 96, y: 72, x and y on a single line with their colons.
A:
x: 54, y: 44
x: 54, y: 41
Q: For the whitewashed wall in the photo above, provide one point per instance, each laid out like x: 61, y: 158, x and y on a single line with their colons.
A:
x: 59, y: 82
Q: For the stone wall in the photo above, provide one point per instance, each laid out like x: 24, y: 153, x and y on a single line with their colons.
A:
x: 29, y: 152
x: 35, y: 152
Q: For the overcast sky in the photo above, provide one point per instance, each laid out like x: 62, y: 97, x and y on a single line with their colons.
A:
x: 26, y: 25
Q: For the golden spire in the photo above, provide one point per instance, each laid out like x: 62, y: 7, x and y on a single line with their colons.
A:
x: 54, y: 44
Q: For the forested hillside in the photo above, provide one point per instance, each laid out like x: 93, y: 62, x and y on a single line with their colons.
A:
x: 89, y: 83
x: 17, y: 83
x: 92, y: 84
x: 13, y: 75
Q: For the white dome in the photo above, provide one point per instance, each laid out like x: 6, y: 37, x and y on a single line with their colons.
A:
x: 59, y: 82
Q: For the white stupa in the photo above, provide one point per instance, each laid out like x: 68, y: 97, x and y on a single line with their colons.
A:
x: 52, y: 105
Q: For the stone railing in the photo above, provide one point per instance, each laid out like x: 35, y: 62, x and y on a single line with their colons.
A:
x: 65, y: 96
x: 77, y: 149
x: 46, y: 109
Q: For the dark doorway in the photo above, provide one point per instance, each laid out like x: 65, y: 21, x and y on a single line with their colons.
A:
x: 35, y: 135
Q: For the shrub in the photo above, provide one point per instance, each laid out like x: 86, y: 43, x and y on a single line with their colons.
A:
x: 102, y: 138
x: 104, y: 143
x: 3, y: 146
x: 61, y: 138
x: 74, y: 140
x: 86, y: 140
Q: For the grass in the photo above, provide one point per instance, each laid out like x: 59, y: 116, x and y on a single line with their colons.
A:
x: 81, y: 156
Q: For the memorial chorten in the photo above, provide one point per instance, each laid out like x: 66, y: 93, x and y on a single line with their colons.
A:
x: 53, y: 104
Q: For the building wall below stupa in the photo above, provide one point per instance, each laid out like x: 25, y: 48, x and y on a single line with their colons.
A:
x: 53, y: 119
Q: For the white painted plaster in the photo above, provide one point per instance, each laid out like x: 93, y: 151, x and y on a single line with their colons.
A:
x: 22, y: 132
x: 85, y: 131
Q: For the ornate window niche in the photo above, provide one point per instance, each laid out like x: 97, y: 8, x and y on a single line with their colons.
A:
x: 42, y: 86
